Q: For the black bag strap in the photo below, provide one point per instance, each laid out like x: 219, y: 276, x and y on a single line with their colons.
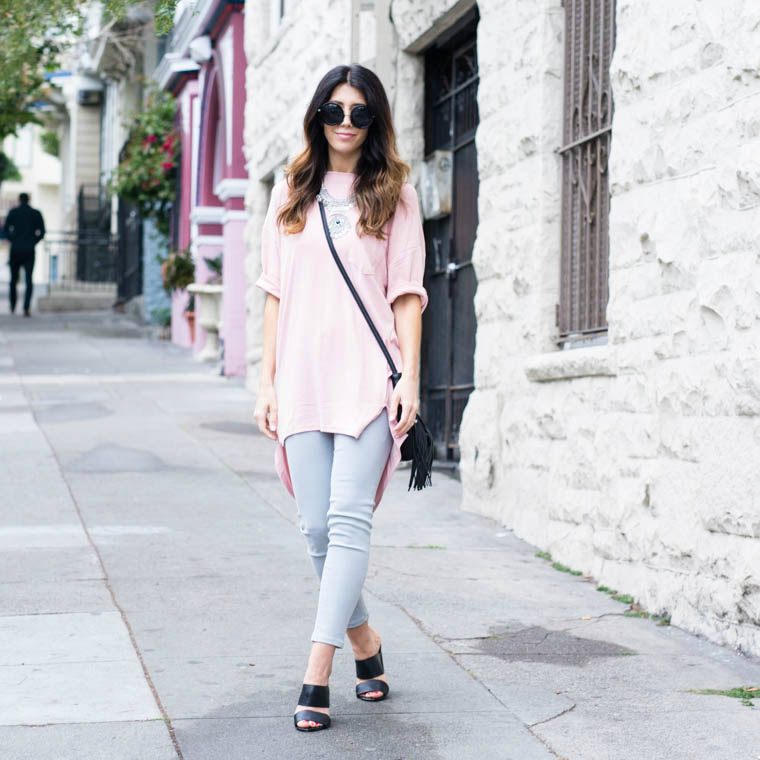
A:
x: 395, y: 375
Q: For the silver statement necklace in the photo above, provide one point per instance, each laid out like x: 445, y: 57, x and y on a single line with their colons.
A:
x: 336, y: 209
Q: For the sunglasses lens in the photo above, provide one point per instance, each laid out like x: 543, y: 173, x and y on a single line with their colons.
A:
x: 331, y: 114
x: 361, y: 117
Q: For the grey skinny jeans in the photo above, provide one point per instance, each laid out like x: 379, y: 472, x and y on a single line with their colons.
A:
x: 335, y: 478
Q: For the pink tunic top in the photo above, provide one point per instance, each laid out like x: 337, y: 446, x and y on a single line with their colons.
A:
x: 330, y: 374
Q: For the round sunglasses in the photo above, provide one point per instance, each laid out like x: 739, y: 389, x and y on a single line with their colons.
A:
x: 333, y: 114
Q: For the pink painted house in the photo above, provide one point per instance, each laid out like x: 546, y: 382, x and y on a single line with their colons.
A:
x: 204, y: 68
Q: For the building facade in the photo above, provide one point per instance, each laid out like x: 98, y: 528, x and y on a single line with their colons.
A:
x: 204, y: 67
x: 41, y: 179
x: 94, y: 244
x: 590, y: 350
x: 122, y: 56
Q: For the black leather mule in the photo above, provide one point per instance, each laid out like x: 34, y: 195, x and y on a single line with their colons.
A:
x: 313, y: 696
x: 372, y: 667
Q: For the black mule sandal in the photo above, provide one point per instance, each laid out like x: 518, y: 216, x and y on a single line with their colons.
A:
x: 313, y: 696
x: 372, y: 667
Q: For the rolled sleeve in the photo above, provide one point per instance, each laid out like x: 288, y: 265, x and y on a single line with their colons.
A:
x: 269, y: 284
x: 269, y: 280
x: 406, y: 249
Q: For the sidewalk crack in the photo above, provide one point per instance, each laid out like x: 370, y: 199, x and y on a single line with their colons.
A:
x: 551, y: 718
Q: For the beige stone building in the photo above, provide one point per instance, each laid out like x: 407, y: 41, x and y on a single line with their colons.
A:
x: 41, y: 178
x: 591, y: 350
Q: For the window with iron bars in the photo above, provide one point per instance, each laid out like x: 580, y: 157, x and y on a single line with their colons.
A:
x: 587, y: 128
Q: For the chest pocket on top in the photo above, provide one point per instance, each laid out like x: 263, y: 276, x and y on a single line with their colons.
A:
x: 367, y: 255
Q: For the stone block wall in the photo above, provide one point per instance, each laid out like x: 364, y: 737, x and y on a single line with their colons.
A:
x: 635, y: 461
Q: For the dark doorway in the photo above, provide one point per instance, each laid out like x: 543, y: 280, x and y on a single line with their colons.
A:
x: 130, y: 259
x: 448, y: 329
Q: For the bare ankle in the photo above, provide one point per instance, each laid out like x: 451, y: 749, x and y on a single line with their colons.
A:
x: 364, y: 642
x: 319, y: 667
x: 317, y: 676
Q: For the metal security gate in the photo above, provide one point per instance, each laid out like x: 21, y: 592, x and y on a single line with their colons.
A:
x: 93, y: 246
x: 81, y: 260
x: 130, y: 259
x: 448, y: 330
x: 589, y: 42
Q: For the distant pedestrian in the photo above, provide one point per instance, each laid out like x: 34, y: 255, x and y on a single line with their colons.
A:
x: 325, y: 393
x: 24, y: 227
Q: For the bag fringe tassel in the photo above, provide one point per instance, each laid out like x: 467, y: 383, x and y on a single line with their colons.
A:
x: 422, y: 458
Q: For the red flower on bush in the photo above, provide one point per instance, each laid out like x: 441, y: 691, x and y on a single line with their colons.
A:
x: 146, y: 173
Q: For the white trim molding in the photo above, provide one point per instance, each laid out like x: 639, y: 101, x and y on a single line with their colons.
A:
x: 209, y: 240
x: 234, y: 215
x: 195, y: 141
x: 231, y: 187
x: 189, y: 22
x: 226, y: 52
x: 172, y: 64
x: 207, y: 214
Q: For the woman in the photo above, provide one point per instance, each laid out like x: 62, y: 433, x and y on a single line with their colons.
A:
x: 325, y: 393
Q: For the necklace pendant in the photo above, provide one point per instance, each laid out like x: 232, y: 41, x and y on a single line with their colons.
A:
x: 338, y: 225
x: 337, y: 221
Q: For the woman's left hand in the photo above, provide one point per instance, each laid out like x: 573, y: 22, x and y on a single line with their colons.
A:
x: 405, y: 393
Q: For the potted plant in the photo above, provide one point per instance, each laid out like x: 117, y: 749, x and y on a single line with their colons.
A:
x: 162, y: 317
x: 215, y: 267
x: 189, y: 315
x: 177, y: 270
x: 177, y: 273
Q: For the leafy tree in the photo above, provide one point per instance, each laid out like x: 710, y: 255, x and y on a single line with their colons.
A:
x: 51, y: 142
x: 32, y: 37
x: 163, y: 12
x: 8, y: 169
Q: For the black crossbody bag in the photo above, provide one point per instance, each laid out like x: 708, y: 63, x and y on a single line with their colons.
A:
x: 418, y: 446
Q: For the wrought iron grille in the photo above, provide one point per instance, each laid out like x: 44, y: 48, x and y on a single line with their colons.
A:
x: 81, y: 260
x: 588, y: 107
x: 448, y: 328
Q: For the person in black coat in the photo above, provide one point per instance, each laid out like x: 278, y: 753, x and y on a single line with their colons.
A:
x: 24, y: 227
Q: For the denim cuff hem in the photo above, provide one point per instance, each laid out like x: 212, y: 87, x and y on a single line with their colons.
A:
x: 315, y: 637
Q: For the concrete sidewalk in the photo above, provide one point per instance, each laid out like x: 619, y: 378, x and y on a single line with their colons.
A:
x: 156, y: 599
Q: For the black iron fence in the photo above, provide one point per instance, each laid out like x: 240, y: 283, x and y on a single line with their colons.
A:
x: 83, y: 260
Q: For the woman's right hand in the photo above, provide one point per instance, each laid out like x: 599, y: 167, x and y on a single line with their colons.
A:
x: 265, y: 412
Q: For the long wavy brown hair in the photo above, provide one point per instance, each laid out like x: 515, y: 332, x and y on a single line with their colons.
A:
x: 380, y: 171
